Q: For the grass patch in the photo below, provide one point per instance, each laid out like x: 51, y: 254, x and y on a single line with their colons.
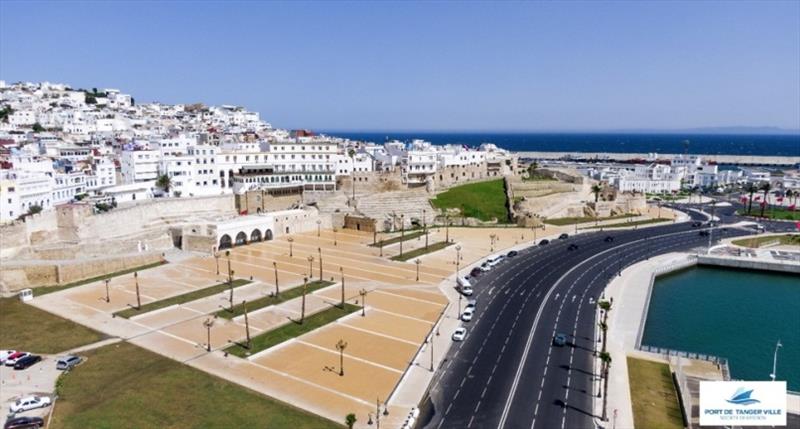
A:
x: 786, y: 239
x: 25, y: 327
x: 653, y: 396
x: 627, y: 224
x: 181, y: 299
x: 771, y: 213
x: 44, y: 290
x: 439, y: 245
x: 286, y: 295
x: 561, y: 221
x: 393, y: 240
x: 124, y: 386
x: 483, y: 200
x: 291, y: 330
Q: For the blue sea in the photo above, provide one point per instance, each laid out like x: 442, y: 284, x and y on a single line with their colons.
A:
x: 711, y: 144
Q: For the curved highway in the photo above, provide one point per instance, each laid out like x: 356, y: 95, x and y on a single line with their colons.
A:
x: 506, y: 373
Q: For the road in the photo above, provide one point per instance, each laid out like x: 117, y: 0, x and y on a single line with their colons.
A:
x: 507, y: 373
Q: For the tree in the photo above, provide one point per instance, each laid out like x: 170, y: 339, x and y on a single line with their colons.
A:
x: 751, y: 189
x: 532, y: 169
x: 605, y: 358
x: 164, y: 182
x: 90, y: 99
x: 5, y: 112
x: 606, y: 307
x: 350, y: 420
x: 34, y: 209
x: 596, y: 190
x: 765, y: 187
x: 37, y: 127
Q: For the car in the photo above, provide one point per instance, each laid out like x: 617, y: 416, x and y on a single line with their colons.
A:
x: 560, y: 340
x: 12, y: 359
x: 463, y: 282
x: 492, y: 261
x: 703, y: 233
x: 459, y: 334
x: 67, y: 362
x: 544, y: 242
x: 475, y: 272
x: 467, y: 314
x: 465, y: 290
x: 4, y: 354
x: 608, y: 239
x: 29, y: 403
x: 24, y: 422
x: 27, y: 361
x: 471, y: 304
x: 512, y: 253
x: 563, y: 236
x: 572, y: 246
x: 696, y: 224
x: 485, y: 267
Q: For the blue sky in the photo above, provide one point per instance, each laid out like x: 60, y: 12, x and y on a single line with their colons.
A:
x: 428, y: 66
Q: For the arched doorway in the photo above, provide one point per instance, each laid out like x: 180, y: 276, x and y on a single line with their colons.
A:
x: 225, y: 242
x: 241, y: 238
x: 255, y: 235
x: 268, y: 234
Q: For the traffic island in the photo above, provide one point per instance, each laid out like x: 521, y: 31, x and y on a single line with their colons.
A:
x: 181, y: 299
x: 422, y: 251
x: 266, y: 301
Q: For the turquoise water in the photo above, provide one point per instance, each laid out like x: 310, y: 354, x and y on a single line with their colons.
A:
x: 735, y: 314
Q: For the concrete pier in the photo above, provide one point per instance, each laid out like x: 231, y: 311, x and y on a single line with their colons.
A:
x: 749, y: 160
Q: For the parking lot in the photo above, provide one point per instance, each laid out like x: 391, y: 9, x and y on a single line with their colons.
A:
x: 39, y: 379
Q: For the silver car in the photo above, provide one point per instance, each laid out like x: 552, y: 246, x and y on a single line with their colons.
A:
x: 67, y: 362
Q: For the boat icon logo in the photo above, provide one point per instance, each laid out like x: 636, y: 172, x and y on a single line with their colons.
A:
x: 742, y: 397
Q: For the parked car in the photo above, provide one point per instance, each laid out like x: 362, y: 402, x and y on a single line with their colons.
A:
x: 467, y: 314
x: 459, y: 334
x: 512, y: 253
x: 4, y: 354
x: 475, y: 272
x: 29, y: 403
x: 27, y: 361
x: 485, y: 267
x: 560, y: 340
x: 544, y: 242
x: 609, y: 239
x: 471, y: 303
x: 12, y: 359
x: 67, y: 362
x: 24, y: 423
x: 465, y: 290
x: 463, y: 282
x: 572, y: 246
x: 563, y: 236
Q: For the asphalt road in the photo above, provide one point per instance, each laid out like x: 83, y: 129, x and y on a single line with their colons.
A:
x: 507, y: 373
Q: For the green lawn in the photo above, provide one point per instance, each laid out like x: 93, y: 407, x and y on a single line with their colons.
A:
x: 790, y: 239
x: 561, y: 221
x: 285, y: 295
x: 407, y: 236
x: 627, y: 224
x: 291, y: 330
x: 772, y: 213
x: 50, y: 289
x: 483, y: 200
x: 432, y: 247
x: 181, y: 299
x: 124, y: 386
x: 653, y: 396
x: 25, y: 327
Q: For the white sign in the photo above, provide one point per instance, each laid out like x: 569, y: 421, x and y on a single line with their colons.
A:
x: 742, y: 403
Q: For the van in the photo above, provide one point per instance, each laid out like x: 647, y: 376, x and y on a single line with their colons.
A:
x: 463, y: 282
x: 494, y: 260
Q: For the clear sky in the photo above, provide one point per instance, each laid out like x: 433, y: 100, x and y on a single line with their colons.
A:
x: 428, y: 66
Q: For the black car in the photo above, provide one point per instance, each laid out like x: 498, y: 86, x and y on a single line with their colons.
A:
x: 703, y: 233
x: 512, y: 253
x: 696, y: 224
x: 572, y: 246
x: 609, y: 239
x: 24, y: 422
x: 563, y: 236
x: 27, y: 361
x: 544, y: 242
x: 475, y: 272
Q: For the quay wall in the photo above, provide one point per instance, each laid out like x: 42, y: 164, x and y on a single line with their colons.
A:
x: 610, y: 156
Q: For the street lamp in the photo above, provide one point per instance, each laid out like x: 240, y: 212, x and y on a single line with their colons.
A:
x: 431, y: 343
x: 425, y: 226
x: 138, y: 297
x: 775, y: 361
x: 277, y: 290
x: 493, y: 238
x: 341, y: 345
x: 216, y: 259
x: 290, y: 240
x: 108, y: 297
x: 334, y: 236
x: 319, y: 250
x: 341, y: 271
x: 417, y: 262
x: 446, y: 227
x: 363, y: 293
x: 310, y: 266
x: 402, y: 232
x: 303, y: 304
x: 458, y: 261
x: 319, y: 222
x: 208, y: 323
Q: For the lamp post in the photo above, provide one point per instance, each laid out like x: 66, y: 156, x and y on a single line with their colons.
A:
x: 246, y: 323
x: 775, y: 361
x: 458, y: 262
x: 341, y: 345
x: 381, y: 248
x: 303, y: 304
x: 319, y: 250
x: 417, y: 261
x: 431, y: 343
x: 230, y: 286
x: 363, y: 293
x: 277, y: 289
x: 402, y: 232
x: 446, y: 227
x: 108, y: 297
x: 319, y: 223
x: 228, y: 255
x: 138, y: 297
x: 334, y: 236
x: 425, y: 226
x: 216, y: 259
x: 492, y: 239
x: 310, y: 266
x: 341, y: 271
x: 290, y: 240
x: 208, y: 323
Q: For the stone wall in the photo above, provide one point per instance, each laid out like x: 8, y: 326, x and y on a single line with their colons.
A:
x: 360, y: 223
x: 260, y: 201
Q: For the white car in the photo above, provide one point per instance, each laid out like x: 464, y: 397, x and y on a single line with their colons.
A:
x: 466, y: 290
x: 29, y: 403
x: 13, y: 358
x: 459, y: 334
x: 467, y: 314
x: 4, y: 354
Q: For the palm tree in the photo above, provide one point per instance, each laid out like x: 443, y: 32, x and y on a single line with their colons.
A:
x: 164, y: 182
x: 606, y: 307
x: 350, y: 420
x: 765, y: 187
x: 605, y: 357
x: 596, y: 190
x: 750, y: 188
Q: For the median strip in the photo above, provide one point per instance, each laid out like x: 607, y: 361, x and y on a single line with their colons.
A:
x: 291, y: 330
x: 181, y: 299
x: 627, y: 224
x: 422, y: 251
x: 266, y: 301
x: 405, y: 237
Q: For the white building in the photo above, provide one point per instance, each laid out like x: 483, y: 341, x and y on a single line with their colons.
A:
x: 139, y: 165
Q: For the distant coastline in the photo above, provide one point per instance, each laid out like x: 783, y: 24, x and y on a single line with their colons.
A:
x: 786, y: 143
